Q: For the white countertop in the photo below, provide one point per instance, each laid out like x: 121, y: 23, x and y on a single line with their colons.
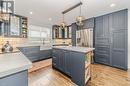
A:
x: 45, y: 47
x: 75, y: 48
x: 12, y: 63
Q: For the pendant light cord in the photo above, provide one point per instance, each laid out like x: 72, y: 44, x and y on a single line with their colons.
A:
x: 80, y: 11
x: 63, y: 18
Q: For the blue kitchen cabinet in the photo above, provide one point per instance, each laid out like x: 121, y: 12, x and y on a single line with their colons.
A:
x: 111, y: 39
x: 88, y: 23
x: 17, y: 79
x: 55, y: 58
x: 45, y: 54
x: 67, y: 62
x: 70, y: 63
x: 119, y: 39
x: 31, y: 52
x: 74, y: 27
x: 78, y: 68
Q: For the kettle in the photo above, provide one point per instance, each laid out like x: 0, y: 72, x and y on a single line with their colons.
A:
x: 7, y: 48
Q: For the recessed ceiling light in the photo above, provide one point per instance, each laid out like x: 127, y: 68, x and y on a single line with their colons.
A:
x: 112, y: 5
x: 31, y: 12
x: 49, y: 19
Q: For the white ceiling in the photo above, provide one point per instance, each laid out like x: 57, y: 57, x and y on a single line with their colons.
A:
x: 44, y: 9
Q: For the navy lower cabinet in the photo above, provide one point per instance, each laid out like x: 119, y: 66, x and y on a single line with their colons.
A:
x: 78, y: 68
x: 55, y: 58
x: 70, y: 63
x: 34, y: 54
x: 17, y: 79
x: 45, y: 54
x: 31, y: 52
x: 67, y: 62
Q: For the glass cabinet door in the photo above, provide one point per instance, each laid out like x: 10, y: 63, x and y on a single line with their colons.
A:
x: 14, y: 26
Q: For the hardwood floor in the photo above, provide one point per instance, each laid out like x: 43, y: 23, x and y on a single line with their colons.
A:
x: 101, y: 76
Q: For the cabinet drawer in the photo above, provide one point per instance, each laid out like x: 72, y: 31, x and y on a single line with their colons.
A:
x: 102, y: 40
x: 54, y: 59
x: 104, y: 58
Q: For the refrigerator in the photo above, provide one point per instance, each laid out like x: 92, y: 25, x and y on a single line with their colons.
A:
x: 84, y: 37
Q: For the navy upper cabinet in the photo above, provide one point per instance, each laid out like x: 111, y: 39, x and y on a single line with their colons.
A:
x: 15, y: 29
x: 89, y: 23
x: 74, y: 28
x: 99, y: 26
x: 119, y: 20
x: 14, y: 26
x: 102, y: 26
x: 106, y: 30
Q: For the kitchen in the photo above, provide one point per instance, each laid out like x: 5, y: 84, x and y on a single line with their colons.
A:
x: 69, y: 43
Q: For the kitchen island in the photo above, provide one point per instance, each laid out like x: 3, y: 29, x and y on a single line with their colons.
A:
x: 14, y: 69
x: 73, y: 62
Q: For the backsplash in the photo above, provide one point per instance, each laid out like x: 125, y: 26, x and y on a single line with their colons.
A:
x: 13, y: 41
x: 62, y: 41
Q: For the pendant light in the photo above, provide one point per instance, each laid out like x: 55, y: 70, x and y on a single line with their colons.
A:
x: 63, y: 24
x: 79, y: 19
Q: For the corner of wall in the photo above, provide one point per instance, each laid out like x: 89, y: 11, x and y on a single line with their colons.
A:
x: 129, y: 38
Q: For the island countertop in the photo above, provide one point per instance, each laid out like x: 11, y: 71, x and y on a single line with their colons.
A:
x: 75, y: 48
x: 11, y: 63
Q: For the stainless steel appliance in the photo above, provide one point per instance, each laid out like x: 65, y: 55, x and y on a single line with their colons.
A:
x: 84, y: 37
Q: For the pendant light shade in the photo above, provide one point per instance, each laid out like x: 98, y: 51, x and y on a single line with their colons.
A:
x: 79, y: 19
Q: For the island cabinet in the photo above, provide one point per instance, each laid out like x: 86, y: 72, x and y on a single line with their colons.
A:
x: 73, y: 64
x: 62, y: 60
x: 17, y: 79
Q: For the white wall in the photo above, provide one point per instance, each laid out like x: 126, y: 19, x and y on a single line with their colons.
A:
x: 128, y: 38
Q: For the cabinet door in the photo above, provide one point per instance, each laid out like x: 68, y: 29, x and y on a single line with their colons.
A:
x: 44, y: 54
x: 55, y: 58
x: 61, y: 60
x: 17, y: 79
x: 78, y: 68
x: 119, y: 49
x: 74, y: 28
x: 119, y: 20
x: 102, y: 40
x: 102, y: 54
x: 99, y: 26
x: 89, y: 23
x: 67, y: 61
x: 119, y: 39
x: 15, y: 29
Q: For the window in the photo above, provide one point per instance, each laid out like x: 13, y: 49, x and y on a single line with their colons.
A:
x: 39, y: 35
x: 35, y: 34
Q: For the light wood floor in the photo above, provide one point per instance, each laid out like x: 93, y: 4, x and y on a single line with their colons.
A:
x: 101, y: 76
